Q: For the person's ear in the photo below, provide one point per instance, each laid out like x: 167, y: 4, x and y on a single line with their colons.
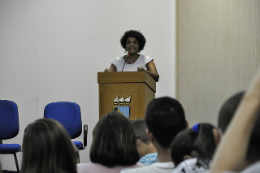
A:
x: 186, y: 157
x: 217, y: 136
x: 138, y: 142
x: 187, y: 124
x: 150, y: 135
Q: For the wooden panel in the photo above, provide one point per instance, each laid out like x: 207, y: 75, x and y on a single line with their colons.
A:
x: 149, y: 96
x: 108, y: 92
x: 129, y: 77
x: 218, y: 52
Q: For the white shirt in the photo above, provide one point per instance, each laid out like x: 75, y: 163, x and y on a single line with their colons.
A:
x: 98, y: 168
x: 158, y: 167
x: 141, y: 61
x: 189, y: 166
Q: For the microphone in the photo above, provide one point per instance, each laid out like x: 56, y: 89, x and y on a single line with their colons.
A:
x: 125, y: 61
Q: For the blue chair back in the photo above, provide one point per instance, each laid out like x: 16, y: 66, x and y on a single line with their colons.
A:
x: 68, y: 114
x: 9, y: 119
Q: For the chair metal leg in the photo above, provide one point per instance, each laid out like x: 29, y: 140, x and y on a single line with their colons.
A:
x: 16, y: 163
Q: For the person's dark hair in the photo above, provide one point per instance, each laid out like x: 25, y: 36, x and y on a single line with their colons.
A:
x: 225, y: 116
x: 140, y: 130
x: 182, y: 145
x: 228, y: 110
x: 114, y: 141
x: 137, y: 35
x: 165, y: 118
x: 47, y: 147
x: 205, y: 142
x: 189, y: 141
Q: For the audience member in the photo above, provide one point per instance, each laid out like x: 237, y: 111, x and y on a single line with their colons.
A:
x: 145, y: 147
x: 240, y: 147
x: 165, y: 118
x: 47, y: 147
x: 113, y: 147
x: 193, y: 149
x: 225, y: 116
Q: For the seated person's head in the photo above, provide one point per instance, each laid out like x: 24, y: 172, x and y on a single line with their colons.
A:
x: 144, y: 145
x: 198, y: 142
x: 226, y: 114
x: 114, y: 141
x: 165, y: 118
x: 47, y: 147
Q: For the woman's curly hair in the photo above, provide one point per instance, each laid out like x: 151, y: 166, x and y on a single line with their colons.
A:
x: 137, y: 35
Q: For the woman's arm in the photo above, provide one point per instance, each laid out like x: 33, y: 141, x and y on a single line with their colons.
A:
x: 111, y: 69
x: 231, y: 154
x: 151, y: 70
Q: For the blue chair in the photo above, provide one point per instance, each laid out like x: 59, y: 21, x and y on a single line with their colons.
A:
x: 9, y: 128
x: 69, y: 115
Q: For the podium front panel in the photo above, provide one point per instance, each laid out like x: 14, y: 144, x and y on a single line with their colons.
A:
x: 141, y: 96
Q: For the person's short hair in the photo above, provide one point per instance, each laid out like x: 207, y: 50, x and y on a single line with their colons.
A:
x: 140, y: 130
x: 135, y: 34
x: 47, y: 147
x: 165, y: 118
x: 201, y: 142
x: 114, y: 141
x: 228, y: 110
x: 182, y: 145
x: 225, y: 116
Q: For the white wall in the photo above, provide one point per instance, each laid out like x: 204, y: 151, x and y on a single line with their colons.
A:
x: 222, y: 38
x: 51, y: 50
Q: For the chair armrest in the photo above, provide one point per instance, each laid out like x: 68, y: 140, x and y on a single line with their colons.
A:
x: 85, y: 135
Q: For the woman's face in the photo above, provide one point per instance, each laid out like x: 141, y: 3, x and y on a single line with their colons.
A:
x: 132, y: 46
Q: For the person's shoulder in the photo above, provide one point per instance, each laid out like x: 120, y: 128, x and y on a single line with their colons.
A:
x: 146, y: 58
x: 84, y: 164
x: 120, y: 57
x: 191, y: 161
x: 254, y: 168
x: 189, y: 166
x: 118, y: 60
x: 82, y: 167
x: 155, y: 167
x: 149, y: 159
x: 184, y: 166
x: 137, y: 170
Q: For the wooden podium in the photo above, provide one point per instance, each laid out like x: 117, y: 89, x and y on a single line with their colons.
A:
x: 140, y: 85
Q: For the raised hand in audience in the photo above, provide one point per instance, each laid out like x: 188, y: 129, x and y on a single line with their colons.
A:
x: 231, y: 154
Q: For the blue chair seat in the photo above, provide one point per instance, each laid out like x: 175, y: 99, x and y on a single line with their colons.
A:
x: 9, y: 148
x: 78, y: 144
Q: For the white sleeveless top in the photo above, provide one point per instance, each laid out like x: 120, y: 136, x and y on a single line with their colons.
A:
x: 141, y: 61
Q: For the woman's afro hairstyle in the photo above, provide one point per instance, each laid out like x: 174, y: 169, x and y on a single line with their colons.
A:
x: 137, y: 35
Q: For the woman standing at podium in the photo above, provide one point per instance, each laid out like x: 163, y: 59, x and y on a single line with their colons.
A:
x: 133, y: 42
